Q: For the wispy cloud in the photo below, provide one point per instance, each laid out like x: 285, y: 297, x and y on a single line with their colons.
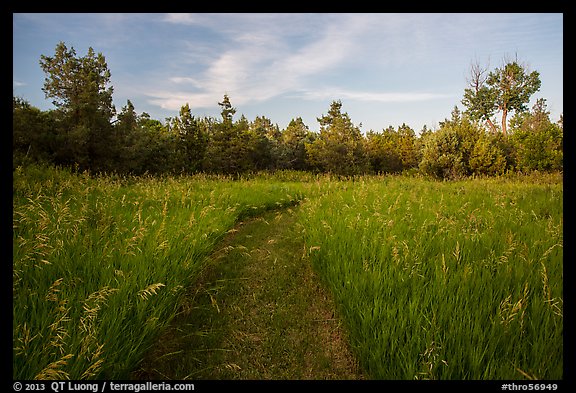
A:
x: 162, y: 61
x: 181, y: 18
x: 256, y: 57
x: 389, y: 97
x: 173, y: 100
x: 263, y: 57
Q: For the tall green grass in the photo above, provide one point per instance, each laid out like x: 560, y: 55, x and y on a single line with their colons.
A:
x: 99, y: 264
x: 459, y: 280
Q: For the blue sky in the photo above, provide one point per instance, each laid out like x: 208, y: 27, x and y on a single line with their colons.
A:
x: 387, y: 69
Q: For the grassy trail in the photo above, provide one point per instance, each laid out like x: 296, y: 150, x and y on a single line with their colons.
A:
x: 258, y: 312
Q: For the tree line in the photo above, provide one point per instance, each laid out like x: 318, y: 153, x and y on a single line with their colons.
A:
x: 85, y: 131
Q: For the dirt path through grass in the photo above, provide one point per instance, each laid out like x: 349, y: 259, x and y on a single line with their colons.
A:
x: 258, y: 312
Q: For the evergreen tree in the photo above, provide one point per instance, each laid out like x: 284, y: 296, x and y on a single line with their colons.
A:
x: 227, y: 110
x: 446, y: 152
x: 294, y: 140
x: 192, y: 142
x: 78, y: 87
x: 339, y: 148
x: 34, y: 135
x: 126, y: 130
x: 264, y: 143
x: 407, y: 147
x: 537, y: 141
x: 382, y: 152
x: 226, y: 150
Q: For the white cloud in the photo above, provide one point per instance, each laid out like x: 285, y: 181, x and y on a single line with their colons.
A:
x: 180, y: 18
x: 262, y: 58
x: 168, y: 60
x: 184, y: 80
x: 174, y: 100
x: 389, y: 97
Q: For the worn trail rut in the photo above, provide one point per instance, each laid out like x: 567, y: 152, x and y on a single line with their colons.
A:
x: 257, y: 312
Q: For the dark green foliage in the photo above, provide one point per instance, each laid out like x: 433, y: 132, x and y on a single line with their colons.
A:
x: 265, y: 141
x: 226, y: 152
x: 392, y: 151
x: 33, y: 133
x: 78, y: 87
x: 81, y: 132
x: 339, y: 148
x: 461, y: 148
x: 292, y: 154
x: 191, y: 140
x: 487, y: 157
x: 537, y: 141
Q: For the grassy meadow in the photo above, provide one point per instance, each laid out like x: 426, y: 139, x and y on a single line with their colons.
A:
x: 445, y: 280
x: 434, y: 280
x: 99, y: 264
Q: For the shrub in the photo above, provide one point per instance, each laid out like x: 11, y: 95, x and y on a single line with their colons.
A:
x: 540, y: 149
x: 461, y: 148
x: 487, y: 158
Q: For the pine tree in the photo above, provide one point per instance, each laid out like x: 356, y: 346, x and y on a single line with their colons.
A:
x: 339, y: 148
x: 78, y: 87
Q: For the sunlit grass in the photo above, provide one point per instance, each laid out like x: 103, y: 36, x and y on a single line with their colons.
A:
x: 434, y: 280
x: 458, y: 280
x: 99, y: 264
